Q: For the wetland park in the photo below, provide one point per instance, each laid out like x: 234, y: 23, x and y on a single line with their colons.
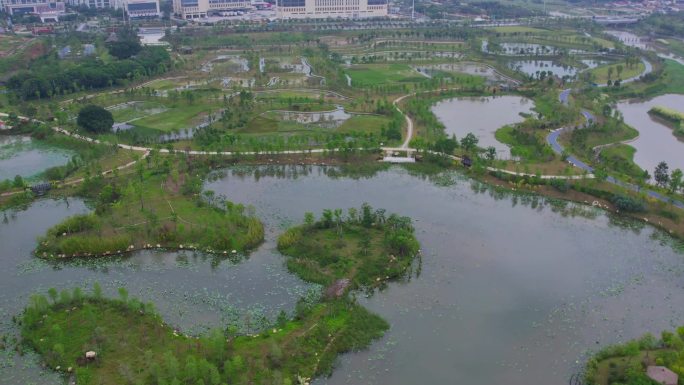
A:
x: 372, y: 201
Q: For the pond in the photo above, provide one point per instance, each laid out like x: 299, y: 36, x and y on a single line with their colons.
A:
x: 230, y: 63
x: 482, y: 116
x: 656, y: 142
x: 630, y: 39
x: 533, y: 67
x: 527, y: 49
x: 323, y: 119
x: 193, y: 291
x: 593, y: 63
x: 510, y: 289
x: 507, y: 294
x: 463, y: 67
x: 22, y: 155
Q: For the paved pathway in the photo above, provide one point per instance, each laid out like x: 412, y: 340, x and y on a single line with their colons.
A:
x: 552, y: 140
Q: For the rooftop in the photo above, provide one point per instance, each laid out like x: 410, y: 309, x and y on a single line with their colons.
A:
x: 662, y: 375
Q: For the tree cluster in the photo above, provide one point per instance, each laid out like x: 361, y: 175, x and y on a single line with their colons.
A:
x: 50, y: 76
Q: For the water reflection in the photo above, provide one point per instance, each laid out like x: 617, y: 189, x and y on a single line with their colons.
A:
x: 482, y: 116
x: 512, y: 288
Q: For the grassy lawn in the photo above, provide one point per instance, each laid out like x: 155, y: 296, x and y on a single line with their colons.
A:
x: 134, y: 345
x: 138, y: 110
x: 676, y: 46
x: 164, y: 209
x: 616, y: 370
x: 367, y: 249
x: 8, y: 43
x: 374, y: 74
x: 674, y: 77
x: 671, y: 82
x: 603, y: 42
x: 553, y: 167
x: 601, y: 73
x: 620, y: 158
x: 271, y: 122
x: 176, y: 118
x: 364, y: 123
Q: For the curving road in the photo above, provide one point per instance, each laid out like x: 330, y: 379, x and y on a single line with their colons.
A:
x: 552, y: 140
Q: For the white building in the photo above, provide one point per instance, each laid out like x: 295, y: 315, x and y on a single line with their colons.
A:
x: 193, y: 9
x: 142, y: 8
x: 49, y: 8
x: 324, y: 9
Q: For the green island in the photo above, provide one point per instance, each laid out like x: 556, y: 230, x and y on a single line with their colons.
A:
x: 628, y: 363
x: 673, y: 117
x: 365, y: 248
x: 148, y: 125
x: 164, y: 208
x: 132, y: 344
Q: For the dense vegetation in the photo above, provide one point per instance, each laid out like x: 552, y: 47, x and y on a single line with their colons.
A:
x: 365, y: 246
x: 95, y: 119
x: 49, y: 75
x: 134, y: 346
x: 674, y: 117
x: 160, y: 206
x: 626, y: 363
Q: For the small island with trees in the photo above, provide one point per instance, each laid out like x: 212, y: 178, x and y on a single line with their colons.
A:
x: 161, y: 205
x: 98, y: 340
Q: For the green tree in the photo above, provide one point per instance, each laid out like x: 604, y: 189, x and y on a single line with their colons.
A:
x: 18, y: 182
x: 95, y: 119
x: 491, y: 153
x: 52, y: 293
x: 309, y: 219
x: 366, y: 215
x: 676, y: 180
x: 97, y: 290
x: 469, y: 142
x: 661, y: 174
x: 123, y: 294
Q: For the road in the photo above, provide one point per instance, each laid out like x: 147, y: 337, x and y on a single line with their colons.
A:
x: 552, y: 140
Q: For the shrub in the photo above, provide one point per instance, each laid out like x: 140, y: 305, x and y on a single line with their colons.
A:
x: 95, y: 119
x: 75, y: 224
x: 628, y: 204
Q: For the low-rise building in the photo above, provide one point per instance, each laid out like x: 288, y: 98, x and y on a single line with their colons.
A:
x: 193, y: 9
x: 662, y: 375
x: 142, y: 8
x: 36, y: 7
x: 324, y: 9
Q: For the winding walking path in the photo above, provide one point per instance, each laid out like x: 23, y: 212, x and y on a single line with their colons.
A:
x: 552, y: 140
x: 409, y: 121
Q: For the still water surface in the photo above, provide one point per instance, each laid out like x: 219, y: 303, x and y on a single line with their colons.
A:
x: 21, y: 155
x: 482, y: 116
x: 510, y: 289
x: 656, y: 142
